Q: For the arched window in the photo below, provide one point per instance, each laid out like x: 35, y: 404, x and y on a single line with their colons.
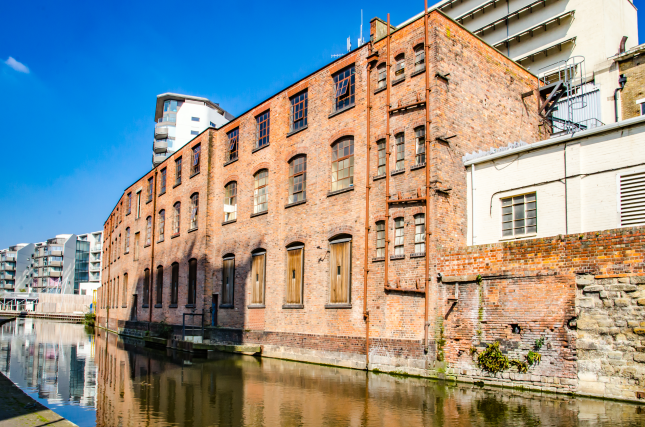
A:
x: 382, y: 76
x: 399, y: 236
x: 400, y: 151
x: 419, y: 233
x: 399, y: 68
x: 298, y: 179
x: 342, y: 163
x: 228, y: 280
x: 194, y: 168
x: 124, y: 303
x: 148, y: 230
x: 261, y: 191
x: 159, y: 284
x: 194, y: 210
x: 380, y: 144
x: 340, y: 268
x: 419, y: 58
x: 231, y: 146
x: 162, y: 224
x: 146, y: 286
x: 126, y: 249
x: 420, y: 137
x: 192, y: 281
x: 380, y: 239
x: 295, y: 273
x: 176, y: 218
x: 174, y: 284
x: 258, y: 276
x: 344, y: 85
x: 230, y: 201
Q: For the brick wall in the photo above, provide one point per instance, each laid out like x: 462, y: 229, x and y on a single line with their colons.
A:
x: 634, y: 70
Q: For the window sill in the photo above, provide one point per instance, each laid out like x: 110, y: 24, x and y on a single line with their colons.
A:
x: 160, y: 241
x: 124, y: 253
x: 250, y: 306
x: 416, y: 73
x: 293, y: 306
x: 419, y: 166
x: 418, y: 255
x: 226, y: 306
x: 193, y: 229
x: 124, y: 306
x: 144, y: 306
x: 161, y: 194
x: 397, y: 172
x: 377, y: 177
x: 230, y: 161
x: 338, y: 306
x: 293, y: 132
x: 342, y: 110
x: 253, y: 215
x: 172, y: 306
x: 190, y: 306
x: 395, y: 257
x: 174, y: 235
x: 128, y: 213
x: 398, y: 80
x: 290, y: 205
x: 176, y: 184
x: 148, y: 201
x: 344, y: 190
x: 381, y: 89
x: 145, y: 246
x: 378, y: 259
x: 158, y: 306
x: 194, y: 174
x: 256, y: 149
x: 229, y: 222
x: 523, y: 236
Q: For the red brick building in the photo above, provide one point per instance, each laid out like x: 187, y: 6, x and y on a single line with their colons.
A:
x: 283, y: 225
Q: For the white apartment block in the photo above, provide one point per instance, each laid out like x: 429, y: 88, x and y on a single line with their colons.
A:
x: 587, y: 181
x: 540, y: 34
x: 15, y: 267
x: 179, y: 118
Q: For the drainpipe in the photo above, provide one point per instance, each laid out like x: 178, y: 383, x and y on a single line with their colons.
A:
x: 621, y: 83
x: 472, y: 204
x: 426, y: 325
x: 366, y: 313
x: 152, y: 249
x: 387, y: 158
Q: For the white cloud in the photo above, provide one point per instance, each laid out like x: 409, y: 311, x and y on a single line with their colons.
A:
x: 18, y: 66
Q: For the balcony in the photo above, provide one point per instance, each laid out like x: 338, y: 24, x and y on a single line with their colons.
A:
x: 161, y: 132
x: 161, y: 145
x: 55, y: 274
x: 56, y: 263
x: 56, y: 253
x: 96, y: 248
x: 95, y: 268
x: 157, y: 159
x: 9, y: 267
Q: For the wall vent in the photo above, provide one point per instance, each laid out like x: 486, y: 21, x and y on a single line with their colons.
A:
x: 632, y: 199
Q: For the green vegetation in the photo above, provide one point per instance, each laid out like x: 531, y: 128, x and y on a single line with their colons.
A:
x: 164, y: 330
x: 492, y: 360
x: 90, y: 319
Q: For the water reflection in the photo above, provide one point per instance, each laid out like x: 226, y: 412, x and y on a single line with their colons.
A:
x: 140, y: 386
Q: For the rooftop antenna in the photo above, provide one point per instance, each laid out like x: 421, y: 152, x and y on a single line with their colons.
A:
x: 361, y: 39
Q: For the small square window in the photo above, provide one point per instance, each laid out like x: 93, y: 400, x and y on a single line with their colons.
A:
x: 194, y: 132
x: 519, y: 215
x: 195, y: 119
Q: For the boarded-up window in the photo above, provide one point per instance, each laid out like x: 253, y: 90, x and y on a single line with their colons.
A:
x: 146, y: 286
x: 632, y: 199
x: 258, y: 269
x: 124, y: 303
x: 174, y: 284
x: 192, y: 281
x: 340, y: 270
x: 136, y: 246
x: 159, y: 284
x: 228, y: 280
x: 295, y: 257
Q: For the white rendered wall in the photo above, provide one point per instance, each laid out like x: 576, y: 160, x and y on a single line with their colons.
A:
x: 185, y: 124
x: 591, y: 200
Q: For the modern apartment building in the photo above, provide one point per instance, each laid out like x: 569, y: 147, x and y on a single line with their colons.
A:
x: 15, y: 267
x: 543, y: 34
x: 179, y: 118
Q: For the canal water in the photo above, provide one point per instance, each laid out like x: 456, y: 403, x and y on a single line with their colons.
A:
x: 107, y: 381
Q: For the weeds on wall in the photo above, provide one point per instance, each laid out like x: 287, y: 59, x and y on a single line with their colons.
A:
x: 493, y: 361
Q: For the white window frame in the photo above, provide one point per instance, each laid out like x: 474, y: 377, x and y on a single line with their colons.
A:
x: 501, y: 218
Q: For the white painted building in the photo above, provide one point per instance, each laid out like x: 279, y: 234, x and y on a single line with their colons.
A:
x: 15, y: 266
x: 589, y: 181
x: 540, y: 33
x: 179, y: 118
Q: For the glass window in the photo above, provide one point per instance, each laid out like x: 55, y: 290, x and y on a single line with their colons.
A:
x: 262, y: 129
x: 519, y: 215
x: 344, y: 88
x: 419, y: 233
x: 174, y: 284
x: 127, y: 240
x: 295, y: 265
x: 261, y: 191
x: 124, y: 302
x: 298, y: 179
x: 258, y: 270
x: 195, y: 163
x: 380, y: 239
x: 340, y: 271
x: 399, y: 68
x: 129, y: 203
x: 231, y: 149
x: 176, y: 218
x: 194, y: 119
x: 159, y: 284
x: 419, y: 58
x: 146, y: 286
x: 162, y: 181
x: 194, y: 132
x: 400, y: 151
x: 420, y: 137
x: 172, y: 105
x: 342, y: 166
x: 148, y: 230
x: 230, y: 201
x: 162, y: 224
x: 192, y: 281
x: 138, y: 205
x: 298, y: 111
x: 136, y: 245
x: 382, y: 76
x: 194, y: 210
x: 178, y: 171
x: 399, y: 236
x: 150, y: 184
x: 380, y: 144
x: 228, y: 280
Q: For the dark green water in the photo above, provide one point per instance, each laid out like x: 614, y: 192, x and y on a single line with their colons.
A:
x: 106, y: 381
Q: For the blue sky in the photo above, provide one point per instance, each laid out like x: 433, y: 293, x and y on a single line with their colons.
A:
x: 78, y: 126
